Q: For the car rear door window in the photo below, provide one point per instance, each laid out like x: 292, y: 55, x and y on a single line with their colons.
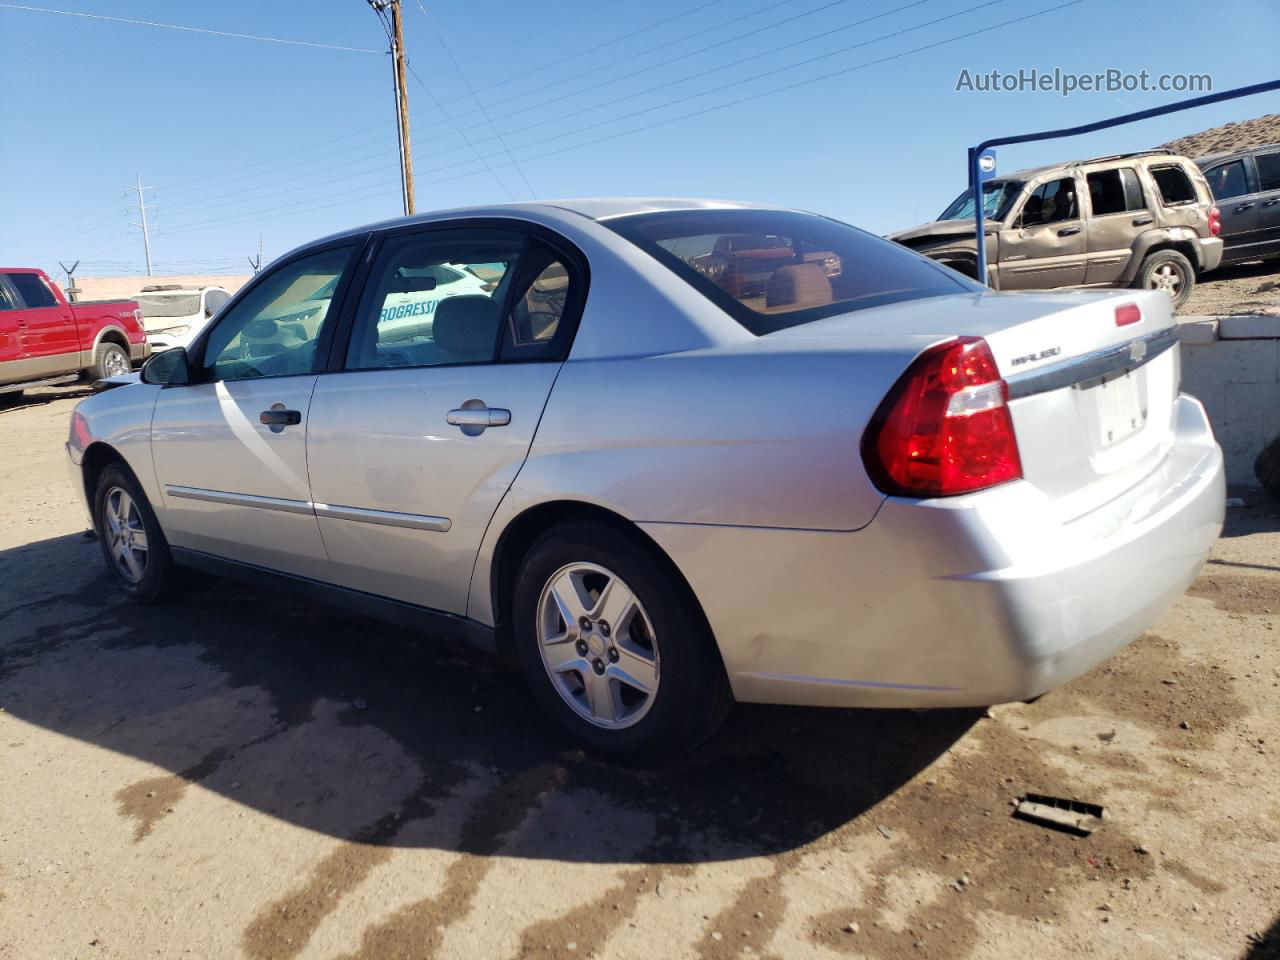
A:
x: 1114, y: 191
x: 1229, y: 180
x: 435, y: 297
x: 6, y: 302
x: 1174, y: 185
x: 32, y: 290
x: 1268, y: 171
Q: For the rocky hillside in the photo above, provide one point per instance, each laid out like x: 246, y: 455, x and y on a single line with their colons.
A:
x: 1228, y: 137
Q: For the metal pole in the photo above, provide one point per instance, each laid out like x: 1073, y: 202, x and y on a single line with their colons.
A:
x: 979, y: 214
x: 402, y: 108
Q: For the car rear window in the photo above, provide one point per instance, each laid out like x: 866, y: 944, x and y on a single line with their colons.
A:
x: 1174, y: 185
x: 776, y: 269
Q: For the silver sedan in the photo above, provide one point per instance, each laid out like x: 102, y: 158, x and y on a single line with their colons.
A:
x: 669, y: 454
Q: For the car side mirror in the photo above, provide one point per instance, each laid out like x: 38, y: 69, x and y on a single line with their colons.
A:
x: 170, y: 368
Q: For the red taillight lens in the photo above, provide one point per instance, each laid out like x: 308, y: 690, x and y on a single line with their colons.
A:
x: 1127, y: 313
x: 1215, y: 221
x: 945, y: 427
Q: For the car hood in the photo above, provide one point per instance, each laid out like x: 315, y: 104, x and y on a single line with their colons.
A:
x: 944, y: 229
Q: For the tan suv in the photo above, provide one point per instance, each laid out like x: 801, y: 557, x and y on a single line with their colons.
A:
x: 1130, y: 220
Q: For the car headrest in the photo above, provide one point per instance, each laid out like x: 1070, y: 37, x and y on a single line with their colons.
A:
x: 798, y: 285
x: 467, y: 324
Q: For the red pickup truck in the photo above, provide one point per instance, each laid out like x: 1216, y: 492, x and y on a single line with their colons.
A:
x: 44, y: 340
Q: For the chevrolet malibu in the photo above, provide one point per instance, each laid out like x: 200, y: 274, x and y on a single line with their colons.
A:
x: 661, y: 489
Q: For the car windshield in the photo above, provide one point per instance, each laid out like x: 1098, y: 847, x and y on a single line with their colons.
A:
x: 168, y: 304
x: 997, y: 198
x: 775, y: 269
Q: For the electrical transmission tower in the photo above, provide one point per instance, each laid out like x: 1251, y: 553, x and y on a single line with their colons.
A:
x: 141, y: 207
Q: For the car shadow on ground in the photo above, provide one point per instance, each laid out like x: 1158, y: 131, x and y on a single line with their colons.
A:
x: 11, y: 404
x: 355, y: 729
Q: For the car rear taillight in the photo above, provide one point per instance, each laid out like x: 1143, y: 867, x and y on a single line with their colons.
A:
x: 945, y: 427
x: 1215, y: 221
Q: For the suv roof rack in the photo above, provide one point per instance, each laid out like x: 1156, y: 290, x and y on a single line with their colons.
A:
x: 1134, y: 153
x: 155, y: 287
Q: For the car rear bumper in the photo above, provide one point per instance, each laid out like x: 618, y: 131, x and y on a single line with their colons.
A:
x: 958, y: 602
x: 1210, y: 253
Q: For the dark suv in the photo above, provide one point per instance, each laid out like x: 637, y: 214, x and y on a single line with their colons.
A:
x: 1246, y: 186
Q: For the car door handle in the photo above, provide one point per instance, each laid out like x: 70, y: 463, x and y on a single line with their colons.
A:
x: 479, y: 417
x: 1242, y: 208
x: 280, y: 418
x: 1271, y: 203
x: 1142, y: 221
x: 1068, y: 231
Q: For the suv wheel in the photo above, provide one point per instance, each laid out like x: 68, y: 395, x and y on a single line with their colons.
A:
x: 1170, y: 271
x: 133, y: 545
x: 111, y: 360
x: 613, y: 647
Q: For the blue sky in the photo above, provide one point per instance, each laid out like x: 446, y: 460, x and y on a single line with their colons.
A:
x: 241, y: 137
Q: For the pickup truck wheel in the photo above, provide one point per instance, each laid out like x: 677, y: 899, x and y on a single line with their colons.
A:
x: 1267, y: 467
x: 111, y: 360
x: 1170, y: 271
x: 613, y: 647
x: 132, y: 542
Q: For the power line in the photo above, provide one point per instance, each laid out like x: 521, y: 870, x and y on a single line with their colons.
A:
x: 725, y: 86
x: 479, y: 103
x: 695, y: 113
x: 185, y: 29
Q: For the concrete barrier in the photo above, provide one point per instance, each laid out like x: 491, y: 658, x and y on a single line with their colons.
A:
x: 1233, y: 365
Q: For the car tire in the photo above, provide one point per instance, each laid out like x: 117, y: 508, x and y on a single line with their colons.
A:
x: 133, y: 545
x: 1170, y: 271
x: 662, y: 638
x: 110, y: 360
x: 1267, y: 467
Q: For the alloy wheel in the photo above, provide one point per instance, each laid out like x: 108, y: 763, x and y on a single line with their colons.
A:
x: 598, y: 645
x: 1166, y: 277
x: 126, y: 535
x: 115, y: 363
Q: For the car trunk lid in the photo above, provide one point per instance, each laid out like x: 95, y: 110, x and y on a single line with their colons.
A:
x: 1091, y: 393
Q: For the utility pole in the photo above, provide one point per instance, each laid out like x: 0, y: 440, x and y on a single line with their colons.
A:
x: 256, y: 264
x: 70, y: 271
x: 396, y: 35
x: 141, y: 207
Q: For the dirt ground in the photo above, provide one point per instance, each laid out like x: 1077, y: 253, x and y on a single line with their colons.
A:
x: 1247, y: 288
x: 236, y: 775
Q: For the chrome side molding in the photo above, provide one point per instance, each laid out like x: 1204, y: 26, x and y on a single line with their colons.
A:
x: 238, y: 499
x: 386, y: 518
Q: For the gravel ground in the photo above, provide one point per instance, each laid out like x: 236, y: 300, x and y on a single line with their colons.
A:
x: 237, y: 775
x: 1247, y: 288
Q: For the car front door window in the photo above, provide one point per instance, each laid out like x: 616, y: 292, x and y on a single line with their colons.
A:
x: 274, y: 329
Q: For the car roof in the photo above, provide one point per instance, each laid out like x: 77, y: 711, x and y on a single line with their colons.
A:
x: 1223, y: 154
x: 1148, y: 155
